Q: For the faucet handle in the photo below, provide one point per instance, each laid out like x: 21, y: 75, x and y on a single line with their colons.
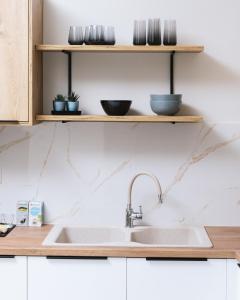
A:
x: 138, y: 215
x: 131, y: 215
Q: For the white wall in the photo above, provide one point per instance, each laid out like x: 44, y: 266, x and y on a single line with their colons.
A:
x: 82, y: 171
x: 208, y: 81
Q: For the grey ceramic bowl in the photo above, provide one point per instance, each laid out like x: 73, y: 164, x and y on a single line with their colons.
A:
x: 167, y: 97
x: 167, y: 105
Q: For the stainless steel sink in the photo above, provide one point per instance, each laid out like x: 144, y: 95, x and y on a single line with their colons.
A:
x: 128, y: 237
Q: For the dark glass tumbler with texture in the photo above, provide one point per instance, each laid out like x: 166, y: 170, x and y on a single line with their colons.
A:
x: 139, y: 35
x: 109, y: 36
x: 90, y: 35
x: 170, y: 33
x: 154, y: 32
x: 99, y: 35
x: 75, y: 36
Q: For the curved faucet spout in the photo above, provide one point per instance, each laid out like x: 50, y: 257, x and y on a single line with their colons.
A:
x: 130, y: 214
x: 156, y: 181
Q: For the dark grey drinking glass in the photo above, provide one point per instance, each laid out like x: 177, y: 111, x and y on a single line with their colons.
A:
x: 86, y: 35
x: 170, y: 33
x: 99, y: 34
x: 109, y: 35
x: 75, y: 36
x: 139, y: 34
x: 92, y: 35
x: 154, y: 32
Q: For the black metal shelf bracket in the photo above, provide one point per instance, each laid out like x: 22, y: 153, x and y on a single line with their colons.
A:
x: 69, y: 54
x: 172, y: 56
x: 172, y: 77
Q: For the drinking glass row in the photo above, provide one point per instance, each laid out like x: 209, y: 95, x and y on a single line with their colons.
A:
x: 92, y: 35
x: 152, y: 35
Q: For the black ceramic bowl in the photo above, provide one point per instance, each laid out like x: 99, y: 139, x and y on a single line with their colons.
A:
x: 116, y: 107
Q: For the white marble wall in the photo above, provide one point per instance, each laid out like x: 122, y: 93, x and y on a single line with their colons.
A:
x: 82, y: 171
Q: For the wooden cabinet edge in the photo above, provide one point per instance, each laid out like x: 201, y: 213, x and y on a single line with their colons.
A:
x: 30, y: 103
x: 35, y: 60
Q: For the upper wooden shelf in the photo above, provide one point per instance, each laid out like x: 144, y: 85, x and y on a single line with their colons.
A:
x: 128, y: 118
x: 121, y: 49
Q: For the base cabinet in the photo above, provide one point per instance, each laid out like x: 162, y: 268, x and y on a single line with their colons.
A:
x: 75, y: 279
x: 38, y: 278
x: 233, y: 280
x: 171, y: 280
x: 13, y: 278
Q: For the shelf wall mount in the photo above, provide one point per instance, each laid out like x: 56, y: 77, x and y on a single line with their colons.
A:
x: 69, y: 56
x: 172, y: 75
x: 172, y: 69
x: 171, y: 50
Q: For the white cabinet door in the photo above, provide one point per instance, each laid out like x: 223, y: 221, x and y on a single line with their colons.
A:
x: 233, y: 280
x: 13, y: 278
x: 176, y: 280
x: 76, y: 279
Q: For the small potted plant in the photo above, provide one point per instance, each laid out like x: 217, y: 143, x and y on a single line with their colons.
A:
x: 72, y: 102
x: 59, y: 103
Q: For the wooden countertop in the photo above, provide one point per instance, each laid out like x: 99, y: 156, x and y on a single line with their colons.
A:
x: 28, y: 241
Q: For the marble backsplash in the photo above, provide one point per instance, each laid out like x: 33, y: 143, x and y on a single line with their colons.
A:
x: 82, y: 171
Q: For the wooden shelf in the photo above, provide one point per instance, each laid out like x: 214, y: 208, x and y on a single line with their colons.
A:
x: 121, y: 49
x: 100, y: 118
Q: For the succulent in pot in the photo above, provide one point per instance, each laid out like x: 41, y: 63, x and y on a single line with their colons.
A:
x: 59, y: 103
x: 72, y: 102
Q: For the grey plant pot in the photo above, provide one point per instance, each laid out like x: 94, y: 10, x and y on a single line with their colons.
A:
x: 72, y: 106
x: 59, y: 105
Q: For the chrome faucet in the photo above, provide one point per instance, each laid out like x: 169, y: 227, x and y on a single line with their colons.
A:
x: 131, y: 215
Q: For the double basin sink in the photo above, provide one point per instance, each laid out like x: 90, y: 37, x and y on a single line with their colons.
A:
x: 128, y: 237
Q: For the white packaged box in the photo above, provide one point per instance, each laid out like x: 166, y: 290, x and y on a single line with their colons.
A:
x: 22, y: 213
x: 35, y: 213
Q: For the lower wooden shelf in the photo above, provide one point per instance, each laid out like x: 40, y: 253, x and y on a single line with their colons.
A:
x: 100, y: 118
